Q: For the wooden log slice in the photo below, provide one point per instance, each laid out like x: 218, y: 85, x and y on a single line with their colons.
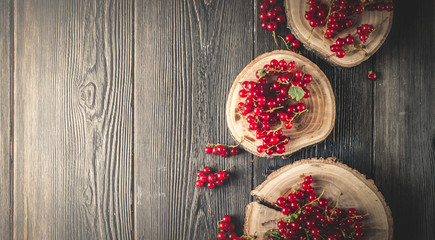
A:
x: 381, y: 20
x: 337, y: 179
x: 309, y: 128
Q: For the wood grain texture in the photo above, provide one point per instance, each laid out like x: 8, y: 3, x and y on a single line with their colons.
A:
x: 404, y: 121
x: 352, y: 137
x: 73, y: 128
x: 187, y: 54
x: 5, y: 119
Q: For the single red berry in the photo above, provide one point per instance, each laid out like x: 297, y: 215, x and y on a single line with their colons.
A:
x: 208, y: 149
x: 222, y: 235
x: 312, y: 197
x: 289, y: 37
x: 389, y: 6
x: 263, y: 16
x: 234, y: 151
x: 288, y: 124
x: 272, y: 2
x: 286, y: 210
x: 199, y: 183
x: 300, y: 107
x: 340, y: 53
x: 223, y: 225
x: 222, y: 175
x: 278, y: 9
x: 271, y: 14
x: 271, y: 26
x: 206, y: 170
x: 281, y: 202
x: 200, y: 173
x: 351, y: 211
x: 298, y: 74
x: 339, y: 42
x: 349, y: 39
x: 226, y: 218
x: 372, y: 75
x: 334, y: 48
x: 280, y: 149
x: 212, y: 177
x: 308, y: 179
x: 280, y: 19
x: 308, y: 78
x: 296, y: 44
x: 363, y: 37
x: 211, y: 185
x: 291, y: 64
x: 323, y: 202
x: 291, y: 197
x: 299, y: 194
x: 264, y: 6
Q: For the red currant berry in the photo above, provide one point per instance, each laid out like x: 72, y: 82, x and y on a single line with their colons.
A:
x: 264, y: 6
x: 208, y: 149
x: 298, y: 74
x: 226, y: 218
x: 339, y: 42
x: 206, y: 170
x: 300, y: 107
x: 291, y: 197
x: 222, y: 235
x: 212, y: 177
x: 280, y: 19
x: 234, y: 151
x: 286, y: 210
x: 288, y: 124
x: 340, y: 53
x: 271, y: 26
x: 296, y: 44
x: 281, y: 202
x: 349, y: 39
x: 308, y: 78
x: 199, y: 183
x: 372, y: 75
x: 389, y: 6
x: 323, y: 202
x: 289, y: 37
x: 211, y: 185
x: 280, y: 149
x: 312, y: 197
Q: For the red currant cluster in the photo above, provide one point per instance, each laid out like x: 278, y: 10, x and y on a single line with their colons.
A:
x: 311, y: 217
x: 227, y: 230
x: 339, y: 17
x: 274, y: 99
x: 221, y: 149
x: 271, y: 15
x: 213, y: 179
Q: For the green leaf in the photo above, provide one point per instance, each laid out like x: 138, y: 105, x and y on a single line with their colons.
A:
x: 261, y: 73
x: 293, y: 217
x: 296, y: 93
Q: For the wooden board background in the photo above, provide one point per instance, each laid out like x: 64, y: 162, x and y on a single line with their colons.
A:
x: 108, y: 105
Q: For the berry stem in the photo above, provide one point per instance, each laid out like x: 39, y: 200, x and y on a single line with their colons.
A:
x: 285, y: 42
x: 274, y: 38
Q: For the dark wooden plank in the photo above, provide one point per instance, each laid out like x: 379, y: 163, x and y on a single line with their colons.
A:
x: 404, y: 120
x: 187, y: 54
x: 73, y: 121
x: 351, y: 138
x: 5, y: 119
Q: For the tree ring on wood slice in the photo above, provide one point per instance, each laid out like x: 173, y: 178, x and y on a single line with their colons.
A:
x: 381, y: 20
x: 308, y: 128
x: 336, y: 178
